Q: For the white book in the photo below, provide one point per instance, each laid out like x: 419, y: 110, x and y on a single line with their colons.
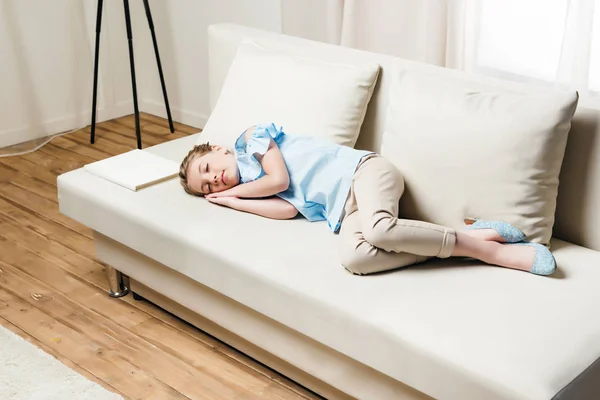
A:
x: 135, y: 169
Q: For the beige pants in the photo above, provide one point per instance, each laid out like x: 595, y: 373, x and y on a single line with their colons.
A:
x: 372, y: 238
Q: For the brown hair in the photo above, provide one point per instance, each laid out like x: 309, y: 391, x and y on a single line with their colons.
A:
x: 197, y: 151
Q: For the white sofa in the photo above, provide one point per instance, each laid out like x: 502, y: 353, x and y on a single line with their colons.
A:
x: 447, y: 330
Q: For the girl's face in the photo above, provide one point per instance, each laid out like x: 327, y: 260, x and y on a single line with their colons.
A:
x: 213, y: 172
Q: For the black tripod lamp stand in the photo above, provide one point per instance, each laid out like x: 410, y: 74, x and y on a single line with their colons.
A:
x: 132, y: 65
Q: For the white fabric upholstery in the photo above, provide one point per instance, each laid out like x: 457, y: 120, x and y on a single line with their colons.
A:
x: 578, y: 207
x: 329, y: 98
x: 474, y: 149
x: 453, y: 330
x: 450, y: 329
x: 325, y: 371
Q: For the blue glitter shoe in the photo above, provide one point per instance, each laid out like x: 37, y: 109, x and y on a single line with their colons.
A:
x: 544, y: 262
x: 509, y: 233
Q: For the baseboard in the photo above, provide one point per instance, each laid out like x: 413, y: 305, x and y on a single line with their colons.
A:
x: 76, y: 121
x: 179, y: 114
x: 63, y: 124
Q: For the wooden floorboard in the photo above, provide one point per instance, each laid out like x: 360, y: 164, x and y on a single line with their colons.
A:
x: 53, y: 290
x: 74, y: 366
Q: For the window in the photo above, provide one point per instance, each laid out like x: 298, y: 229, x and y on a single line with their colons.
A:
x: 550, y: 42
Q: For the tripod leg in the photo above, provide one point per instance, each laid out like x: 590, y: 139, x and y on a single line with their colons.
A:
x: 133, y: 85
x: 160, y: 71
x: 95, y: 90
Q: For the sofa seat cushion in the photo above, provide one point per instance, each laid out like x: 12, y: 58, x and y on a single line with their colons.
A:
x: 453, y: 329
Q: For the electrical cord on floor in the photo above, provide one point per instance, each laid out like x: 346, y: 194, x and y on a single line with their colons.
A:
x: 36, y: 147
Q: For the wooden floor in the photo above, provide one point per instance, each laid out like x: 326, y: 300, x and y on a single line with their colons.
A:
x: 53, y: 291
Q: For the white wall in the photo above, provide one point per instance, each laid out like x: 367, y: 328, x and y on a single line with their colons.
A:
x: 47, y: 50
x: 46, y: 65
x: 181, y: 29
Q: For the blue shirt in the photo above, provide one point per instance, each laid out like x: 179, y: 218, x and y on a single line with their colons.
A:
x: 320, y: 171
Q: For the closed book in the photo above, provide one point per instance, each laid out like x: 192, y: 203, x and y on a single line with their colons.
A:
x: 135, y: 169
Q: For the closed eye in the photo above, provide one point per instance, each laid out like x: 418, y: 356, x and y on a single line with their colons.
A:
x: 208, y: 191
x: 209, y: 188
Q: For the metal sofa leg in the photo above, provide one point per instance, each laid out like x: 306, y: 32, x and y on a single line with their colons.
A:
x: 118, y: 285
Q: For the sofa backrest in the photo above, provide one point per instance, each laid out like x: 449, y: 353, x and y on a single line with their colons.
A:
x: 578, y: 209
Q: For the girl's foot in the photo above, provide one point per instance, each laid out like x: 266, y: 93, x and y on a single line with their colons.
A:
x: 496, y: 231
x: 489, y: 235
x: 544, y: 262
x: 528, y: 257
x: 515, y: 257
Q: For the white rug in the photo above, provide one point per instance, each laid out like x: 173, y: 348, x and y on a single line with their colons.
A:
x: 27, y: 373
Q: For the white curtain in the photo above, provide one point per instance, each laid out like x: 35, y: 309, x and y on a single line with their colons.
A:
x: 413, y: 29
x: 545, y: 42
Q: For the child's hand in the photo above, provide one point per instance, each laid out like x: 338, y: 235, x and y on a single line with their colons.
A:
x: 223, y: 201
x: 225, y: 193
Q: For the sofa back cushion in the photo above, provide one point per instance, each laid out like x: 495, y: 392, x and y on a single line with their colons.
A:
x: 578, y: 206
x: 270, y: 82
x: 474, y: 149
